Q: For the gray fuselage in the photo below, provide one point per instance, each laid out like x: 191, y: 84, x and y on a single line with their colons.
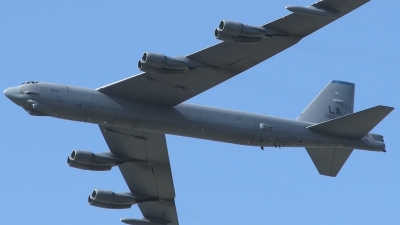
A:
x: 92, y: 106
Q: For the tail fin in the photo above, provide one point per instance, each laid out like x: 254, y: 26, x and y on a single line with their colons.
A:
x: 329, y: 161
x: 335, y: 103
x: 335, y: 100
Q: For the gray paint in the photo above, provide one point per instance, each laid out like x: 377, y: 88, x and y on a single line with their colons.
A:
x: 145, y: 107
x: 136, y: 131
x: 224, y: 125
x: 225, y: 60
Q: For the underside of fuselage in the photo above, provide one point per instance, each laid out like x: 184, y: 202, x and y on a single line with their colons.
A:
x: 189, y: 120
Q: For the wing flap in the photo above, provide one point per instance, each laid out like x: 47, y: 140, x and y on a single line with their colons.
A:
x: 329, y: 161
x: 355, y: 125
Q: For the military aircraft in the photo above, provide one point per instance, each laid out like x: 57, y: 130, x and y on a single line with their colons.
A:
x: 135, y: 113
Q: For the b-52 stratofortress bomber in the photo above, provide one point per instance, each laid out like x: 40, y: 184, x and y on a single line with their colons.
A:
x: 135, y: 113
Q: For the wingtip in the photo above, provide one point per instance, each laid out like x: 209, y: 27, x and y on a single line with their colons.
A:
x: 390, y: 108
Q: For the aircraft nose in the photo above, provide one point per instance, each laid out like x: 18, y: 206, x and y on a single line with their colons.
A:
x: 15, y: 96
x: 8, y: 93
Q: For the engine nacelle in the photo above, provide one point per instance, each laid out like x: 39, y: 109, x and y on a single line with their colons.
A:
x: 160, y: 64
x: 90, y: 158
x: 109, y: 197
x: 164, y: 71
x: 87, y: 167
x: 239, y: 29
x: 161, y: 61
x: 96, y: 162
x: 236, y: 39
x: 236, y: 32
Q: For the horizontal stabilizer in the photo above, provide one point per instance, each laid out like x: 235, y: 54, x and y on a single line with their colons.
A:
x: 355, y: 125
x: 329, y: 161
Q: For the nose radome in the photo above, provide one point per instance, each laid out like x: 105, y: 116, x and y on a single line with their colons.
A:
x: 7, y: 92
x: 15, y: 96
x: 11, y: 92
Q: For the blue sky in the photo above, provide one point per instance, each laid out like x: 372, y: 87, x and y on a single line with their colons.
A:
x: 93, y: 43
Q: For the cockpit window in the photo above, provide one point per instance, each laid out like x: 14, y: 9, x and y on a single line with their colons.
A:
x: 30, y: 82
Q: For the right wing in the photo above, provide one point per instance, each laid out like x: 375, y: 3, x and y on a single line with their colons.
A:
x: 224, y: 60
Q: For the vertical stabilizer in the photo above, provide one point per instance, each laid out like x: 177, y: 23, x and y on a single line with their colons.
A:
x: 335, y: 100
x: 329, y: 161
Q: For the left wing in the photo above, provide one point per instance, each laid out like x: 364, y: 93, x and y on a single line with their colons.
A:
x: 225, y: 60
x: 150, y: 176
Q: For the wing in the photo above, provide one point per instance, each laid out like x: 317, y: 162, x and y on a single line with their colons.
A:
x: 329, y: 161
x: 224, y: 60
x: 151, y: 177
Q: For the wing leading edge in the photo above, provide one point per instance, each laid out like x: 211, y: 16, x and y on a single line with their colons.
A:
x: 150, y: 176
x: 224, y: 60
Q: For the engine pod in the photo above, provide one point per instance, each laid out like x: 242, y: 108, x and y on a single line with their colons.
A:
x: 236, y: 39
x: 77, y: 165
x: 161, y: 61
x: 236, y: 32
x: 90, y: 158
x: 110, y: 197
x: 239, y: 29
x: 108, y: 206
x: 164, y: 71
